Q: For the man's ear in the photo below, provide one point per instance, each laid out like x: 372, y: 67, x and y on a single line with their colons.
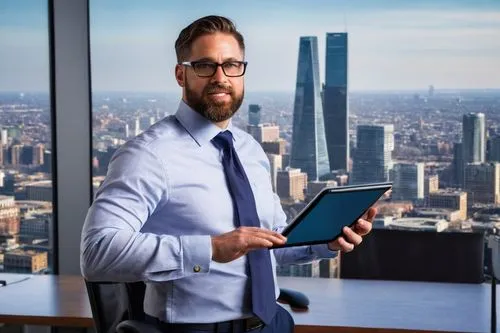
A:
x: 179, y: 75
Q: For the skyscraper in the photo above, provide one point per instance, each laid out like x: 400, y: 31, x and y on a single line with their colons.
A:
x: 309, y: 152
x: 473, y: 142
x: 373, y: 157
x: 335, y: 101
x: 254, y: 114
x: 474, y: 137
x: 408, y: 181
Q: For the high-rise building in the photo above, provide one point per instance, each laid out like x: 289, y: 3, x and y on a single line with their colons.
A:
x: 431, y: 91
x: 15, y: 154
x: 291, y: 184
x: 373, y: 155
x: 275, y: 162
x: 38, y: 151
x: 335, y: 101
x: 27, y: 154
x: 456, y: 200
x: 474, y: 137
x: 431, y: 184
x: 408, y: 181
x: 473, y: 144
x: 309, y: 152
x: 254, y: 114
x: 126, y: 130
x: 482, y: 183
x: 137, y: 126
x: 4, y: 137
x: 47, y: 161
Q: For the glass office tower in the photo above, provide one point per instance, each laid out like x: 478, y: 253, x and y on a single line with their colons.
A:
x: 309, y: 152
x: 335, y: 101
x: 373, y: 158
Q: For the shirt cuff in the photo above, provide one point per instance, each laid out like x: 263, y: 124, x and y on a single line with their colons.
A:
x: 196, y: 254
x: 322, y: 251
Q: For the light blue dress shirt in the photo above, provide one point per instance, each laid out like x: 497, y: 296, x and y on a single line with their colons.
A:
x: 164, y: 195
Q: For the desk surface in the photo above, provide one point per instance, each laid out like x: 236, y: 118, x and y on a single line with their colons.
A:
x: 336, y: 305
x: 392, y: 306
x: 45, y: 300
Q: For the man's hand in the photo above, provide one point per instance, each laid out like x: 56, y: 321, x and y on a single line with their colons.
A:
x: 354, y: 236
x: 232, y: 245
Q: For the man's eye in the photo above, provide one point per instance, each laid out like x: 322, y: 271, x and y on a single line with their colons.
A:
x: 206, y: 65
x: 231, y: 65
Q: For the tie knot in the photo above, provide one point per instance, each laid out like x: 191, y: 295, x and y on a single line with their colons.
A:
x: 223, y: 140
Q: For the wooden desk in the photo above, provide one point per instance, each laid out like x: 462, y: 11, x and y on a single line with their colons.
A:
x: 336, y: 305
x: 45, y: 300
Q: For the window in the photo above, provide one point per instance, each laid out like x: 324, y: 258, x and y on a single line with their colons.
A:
x: 26, y: 219
x: 388, y: 93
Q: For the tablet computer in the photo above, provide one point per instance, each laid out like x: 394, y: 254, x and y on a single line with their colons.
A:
x: 322, y: 220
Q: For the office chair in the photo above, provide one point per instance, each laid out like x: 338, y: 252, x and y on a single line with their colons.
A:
x: 118, y: 307
x: 405, y: 255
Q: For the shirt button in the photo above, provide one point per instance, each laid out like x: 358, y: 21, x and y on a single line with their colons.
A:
x: 196, y: 268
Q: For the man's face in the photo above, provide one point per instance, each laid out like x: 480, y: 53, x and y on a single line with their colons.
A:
x: 217, y: 97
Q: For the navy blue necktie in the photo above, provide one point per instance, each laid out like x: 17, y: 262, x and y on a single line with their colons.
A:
x: 261, y: 273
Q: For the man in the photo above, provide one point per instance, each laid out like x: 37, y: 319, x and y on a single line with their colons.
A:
x: 188, y: 207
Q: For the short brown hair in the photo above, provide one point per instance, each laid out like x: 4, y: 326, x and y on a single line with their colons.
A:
x: 205, y: 26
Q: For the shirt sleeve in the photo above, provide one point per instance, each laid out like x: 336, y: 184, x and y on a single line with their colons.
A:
x: 113, y: 248
x: 296, y: 254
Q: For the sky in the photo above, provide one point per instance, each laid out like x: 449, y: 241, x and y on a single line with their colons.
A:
x: 393, y: 44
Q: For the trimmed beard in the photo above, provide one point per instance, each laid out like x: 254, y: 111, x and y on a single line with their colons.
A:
x: 215, y: 112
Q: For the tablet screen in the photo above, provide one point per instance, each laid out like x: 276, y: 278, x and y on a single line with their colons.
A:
x: 324, y: 220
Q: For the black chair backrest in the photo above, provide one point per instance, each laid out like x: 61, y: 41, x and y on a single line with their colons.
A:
x: 417, y: 256
x: 113, y: 302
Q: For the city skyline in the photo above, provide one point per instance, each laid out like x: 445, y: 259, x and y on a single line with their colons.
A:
x: 410, y: 46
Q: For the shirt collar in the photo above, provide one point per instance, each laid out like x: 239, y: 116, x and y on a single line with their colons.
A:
x: 201, y: 129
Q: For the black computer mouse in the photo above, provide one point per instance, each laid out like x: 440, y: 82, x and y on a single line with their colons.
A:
x: 296, y: 299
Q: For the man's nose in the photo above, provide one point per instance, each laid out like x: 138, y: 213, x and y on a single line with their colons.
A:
x: 219, y: 75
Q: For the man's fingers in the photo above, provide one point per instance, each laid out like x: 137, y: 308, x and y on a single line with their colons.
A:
x: 351, y: 237
x: 362, y: 227
x: 257, y: 243
x: 370, y: 214
x: 275, y: 240
x: 268, y: 234
x: 344, y: 245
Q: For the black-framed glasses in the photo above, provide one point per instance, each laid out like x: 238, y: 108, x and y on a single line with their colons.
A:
x: 208, y: 68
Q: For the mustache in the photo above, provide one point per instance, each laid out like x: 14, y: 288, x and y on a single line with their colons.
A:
x: 219, y: 88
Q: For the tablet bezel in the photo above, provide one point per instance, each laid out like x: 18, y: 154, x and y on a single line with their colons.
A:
x: 350, y: 188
